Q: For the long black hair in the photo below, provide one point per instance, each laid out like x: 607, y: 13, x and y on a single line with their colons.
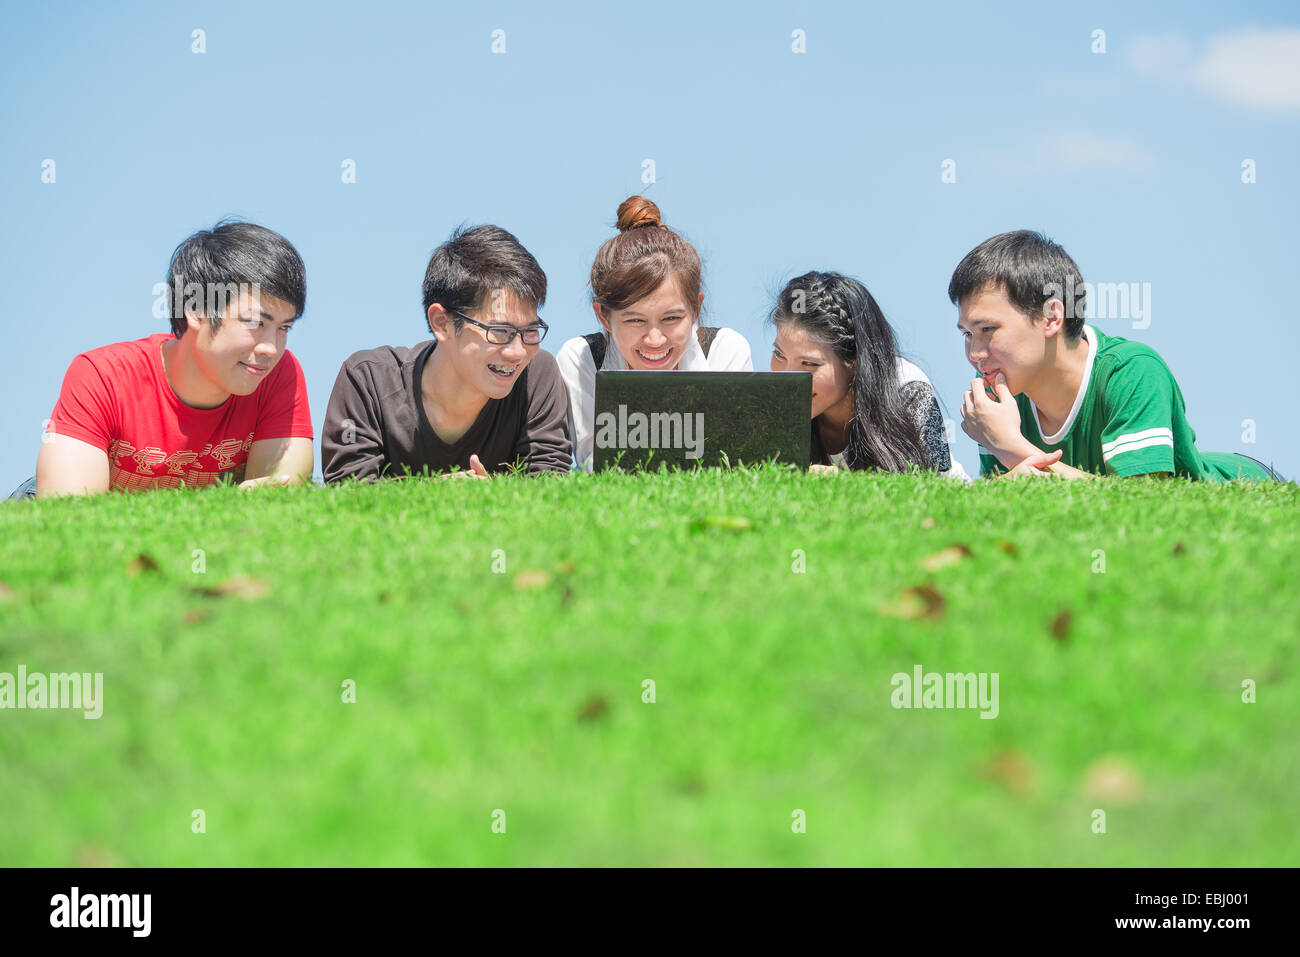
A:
x: 840, y: 312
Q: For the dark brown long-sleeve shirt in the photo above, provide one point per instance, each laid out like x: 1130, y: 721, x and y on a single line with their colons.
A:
x: 375, y: 425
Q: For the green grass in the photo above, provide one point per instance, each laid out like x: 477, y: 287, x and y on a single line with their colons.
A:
x: 772, y: 687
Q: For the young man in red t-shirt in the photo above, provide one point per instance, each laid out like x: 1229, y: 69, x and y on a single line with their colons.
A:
x: 220, y: 398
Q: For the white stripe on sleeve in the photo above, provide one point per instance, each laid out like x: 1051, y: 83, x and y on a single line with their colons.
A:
x: 1139, y: 444
x: 1134, y: 437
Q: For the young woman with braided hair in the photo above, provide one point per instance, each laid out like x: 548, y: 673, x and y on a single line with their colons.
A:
x: 645, y: 289
x: 871, y: 408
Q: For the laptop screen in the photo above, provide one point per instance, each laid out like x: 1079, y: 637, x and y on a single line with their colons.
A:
x: 701, y: 418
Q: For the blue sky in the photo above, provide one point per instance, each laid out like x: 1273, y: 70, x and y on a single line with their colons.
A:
x: 772, y: 162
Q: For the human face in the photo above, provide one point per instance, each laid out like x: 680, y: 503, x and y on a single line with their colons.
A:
x: 655, y: 331
x: 1001, y: 338
x: 239, y: 356
x: 483, y: 366
x: 832, y: 378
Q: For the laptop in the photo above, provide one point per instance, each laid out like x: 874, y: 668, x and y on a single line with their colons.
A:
x: 701, y: 418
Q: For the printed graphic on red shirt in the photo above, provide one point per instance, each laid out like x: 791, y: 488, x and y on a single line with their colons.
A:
x: 177, y: 461
x: 150, y: 468
x: 117, y: 398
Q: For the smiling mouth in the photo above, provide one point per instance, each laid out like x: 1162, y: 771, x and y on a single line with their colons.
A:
x: 503, y: 372
x: 654, y: 358
x: 255, y: 370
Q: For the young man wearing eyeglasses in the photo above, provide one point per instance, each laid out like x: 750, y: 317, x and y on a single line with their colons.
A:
x: 480, y: 398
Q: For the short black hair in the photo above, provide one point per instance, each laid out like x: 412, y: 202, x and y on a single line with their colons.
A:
x: 1031, y: 268
x: 465, y: 270
x: 214, y: 263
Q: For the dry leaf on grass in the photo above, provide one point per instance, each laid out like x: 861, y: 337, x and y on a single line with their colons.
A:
x: 921, y: 601
x: 1010, y: 548
x: 1112, y: 779
x: 1061, y: 626
x: 141, y: 563
x: 596, y: 707
x: 241, y: 586
x: 532, y: 578
x: 692, y: 784
x: 949, y: 556
x: 1013, y: 771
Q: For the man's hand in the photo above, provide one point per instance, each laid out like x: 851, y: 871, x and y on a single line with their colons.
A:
x: 279, y: 462
x: 1037, y: 465
x: 995, y: 424
x: 476, y: 470
x: 265, y: 480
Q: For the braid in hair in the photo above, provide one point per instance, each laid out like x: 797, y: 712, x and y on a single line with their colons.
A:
x: 840, y: 312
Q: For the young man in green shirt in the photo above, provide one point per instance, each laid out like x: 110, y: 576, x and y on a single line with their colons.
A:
x: 1056, y: 396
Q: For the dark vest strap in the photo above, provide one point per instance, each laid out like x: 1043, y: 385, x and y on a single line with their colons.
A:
x: 596, y: 342
x: 706, y: 335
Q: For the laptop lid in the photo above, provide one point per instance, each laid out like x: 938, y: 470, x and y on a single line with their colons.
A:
x: 704, y: 418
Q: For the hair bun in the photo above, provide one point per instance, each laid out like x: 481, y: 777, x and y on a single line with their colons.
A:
x: 637, y: 212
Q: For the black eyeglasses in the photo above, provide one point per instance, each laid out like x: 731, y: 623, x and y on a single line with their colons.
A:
x: 503, y: 335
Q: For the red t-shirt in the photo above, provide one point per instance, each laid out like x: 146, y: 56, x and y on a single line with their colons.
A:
x: 117, y: 398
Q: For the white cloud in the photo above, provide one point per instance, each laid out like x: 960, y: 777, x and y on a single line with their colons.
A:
x: 1255, y: 68
x: 1252, y: 67
x: 1166, y: 57
x: 1079, y: 150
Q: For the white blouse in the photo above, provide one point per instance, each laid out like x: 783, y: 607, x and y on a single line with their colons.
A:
x: 729, y: 352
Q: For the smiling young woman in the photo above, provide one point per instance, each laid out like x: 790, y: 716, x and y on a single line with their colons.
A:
x: 871, y: 408
x: 645, y: 287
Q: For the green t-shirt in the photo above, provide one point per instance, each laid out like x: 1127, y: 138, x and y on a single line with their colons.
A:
x: 1128, y: 419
